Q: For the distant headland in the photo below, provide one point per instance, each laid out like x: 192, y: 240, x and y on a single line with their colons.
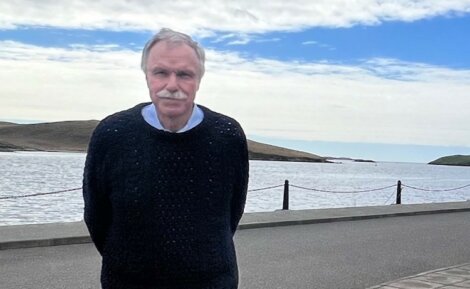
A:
x: 455, y: 160
x: 73, y: 136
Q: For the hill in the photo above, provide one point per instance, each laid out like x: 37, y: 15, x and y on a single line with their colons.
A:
x: 261, y: 151
x: 54, y: 136
x: 455, y: 160
x: 75, y: 135
x: 4, y: 123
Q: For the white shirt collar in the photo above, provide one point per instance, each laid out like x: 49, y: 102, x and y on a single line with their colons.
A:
x: 150, y: 115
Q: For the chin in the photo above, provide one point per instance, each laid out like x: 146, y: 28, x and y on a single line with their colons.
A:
x: 172, y: 112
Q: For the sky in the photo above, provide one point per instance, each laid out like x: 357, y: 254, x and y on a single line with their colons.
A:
x: 371, y: 79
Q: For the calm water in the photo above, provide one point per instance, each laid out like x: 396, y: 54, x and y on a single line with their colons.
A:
x: 38, y: 172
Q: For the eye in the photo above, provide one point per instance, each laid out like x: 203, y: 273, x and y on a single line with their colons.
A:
x: 184, y: 74
x: 159, y: 73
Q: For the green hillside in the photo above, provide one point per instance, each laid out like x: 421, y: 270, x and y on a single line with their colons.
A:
x: 75, y: 135
x: 455, y: 160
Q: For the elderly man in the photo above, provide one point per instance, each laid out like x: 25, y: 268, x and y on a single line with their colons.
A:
x: 165, y: 182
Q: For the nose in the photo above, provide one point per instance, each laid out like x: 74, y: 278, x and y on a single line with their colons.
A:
x: 172, y: 84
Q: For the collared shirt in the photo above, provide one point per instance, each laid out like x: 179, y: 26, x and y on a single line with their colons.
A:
x: 150, y: 115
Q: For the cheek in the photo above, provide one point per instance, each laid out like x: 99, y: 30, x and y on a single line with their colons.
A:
x: 154, y: 85
x: 192, y: 88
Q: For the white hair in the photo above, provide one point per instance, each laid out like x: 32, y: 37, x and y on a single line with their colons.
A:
x: 171, y: 36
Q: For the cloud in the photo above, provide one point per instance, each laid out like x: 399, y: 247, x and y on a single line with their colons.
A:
x: 242, y: 16
x: 412, y: 71
x: 423, y: 104
x: 242, y: 39
x: 222, y: 38
x: 275, y: 39
x: 80, y: 82
x: 375, y: 101
x: 310, y: 42
x: 318, y: 44
x: 95, y: 47
x: 233, y: 38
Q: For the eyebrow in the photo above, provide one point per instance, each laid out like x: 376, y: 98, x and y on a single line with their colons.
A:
x: 177, y: 71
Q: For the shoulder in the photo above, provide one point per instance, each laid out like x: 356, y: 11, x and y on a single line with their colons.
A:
x: 120, y: 120
x: 227, y: 133
x: 117, y: 124
x: 223, y: 125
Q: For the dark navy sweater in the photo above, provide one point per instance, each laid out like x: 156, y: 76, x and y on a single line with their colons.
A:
x: 161, y: 207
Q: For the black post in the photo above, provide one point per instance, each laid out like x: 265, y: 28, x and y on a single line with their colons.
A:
x: 285, y: 202
x: 399, y: 193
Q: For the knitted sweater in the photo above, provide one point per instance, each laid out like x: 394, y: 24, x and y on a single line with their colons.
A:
x: 161, y: 207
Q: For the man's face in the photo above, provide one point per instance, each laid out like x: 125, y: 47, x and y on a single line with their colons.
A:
x: 173, y: 68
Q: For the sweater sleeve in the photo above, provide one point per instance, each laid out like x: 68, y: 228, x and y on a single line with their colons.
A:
x: 241, y: 183
x: 97, y: 211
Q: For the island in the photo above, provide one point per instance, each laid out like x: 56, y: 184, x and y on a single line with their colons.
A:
x: 455, y: 160
x: 341, y: 159
x: 73, y: 136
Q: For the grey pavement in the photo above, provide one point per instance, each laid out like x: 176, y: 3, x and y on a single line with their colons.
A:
x: 26, y: 236
x: 455, y: 277
x: 318, y: 253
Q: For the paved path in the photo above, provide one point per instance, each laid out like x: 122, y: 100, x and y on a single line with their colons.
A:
x: 26, y: 236
x: 455, y: 277
x: 339, y: 255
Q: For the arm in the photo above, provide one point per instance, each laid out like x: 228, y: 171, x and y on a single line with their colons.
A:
x: 241, y: 183
x: 97, y: 212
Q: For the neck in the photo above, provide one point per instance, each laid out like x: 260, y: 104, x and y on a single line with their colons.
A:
x: 174, y: 124
x: 171, y: 124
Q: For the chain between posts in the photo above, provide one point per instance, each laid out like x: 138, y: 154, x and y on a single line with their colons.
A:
x: 285, y: 205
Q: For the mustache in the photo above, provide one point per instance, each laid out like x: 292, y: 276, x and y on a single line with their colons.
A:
x: 172, y: 95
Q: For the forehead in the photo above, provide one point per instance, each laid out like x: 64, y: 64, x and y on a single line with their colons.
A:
x: 172, y: 55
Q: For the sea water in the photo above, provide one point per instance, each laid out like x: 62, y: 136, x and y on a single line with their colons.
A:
x: 23, y: 173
